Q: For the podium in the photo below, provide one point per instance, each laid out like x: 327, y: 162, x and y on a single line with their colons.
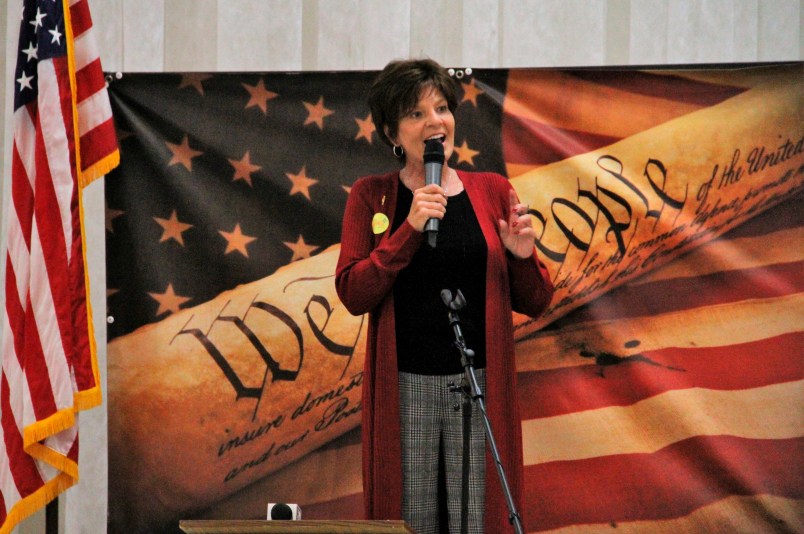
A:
x: 258, y: 526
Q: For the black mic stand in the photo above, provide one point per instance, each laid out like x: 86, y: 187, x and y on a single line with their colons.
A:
x: 472, y: 393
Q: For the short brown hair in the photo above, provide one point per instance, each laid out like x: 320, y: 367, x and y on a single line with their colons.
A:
x: 397, y: 90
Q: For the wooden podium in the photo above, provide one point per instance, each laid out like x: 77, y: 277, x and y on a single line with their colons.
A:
x: 259, y: 526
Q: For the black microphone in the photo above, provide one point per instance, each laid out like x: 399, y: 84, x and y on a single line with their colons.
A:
x: 433, y: 162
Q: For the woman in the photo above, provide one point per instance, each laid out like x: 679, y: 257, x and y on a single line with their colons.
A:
x: 485, y: 248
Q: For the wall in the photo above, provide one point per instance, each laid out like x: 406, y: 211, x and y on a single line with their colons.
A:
x: 292, y: 35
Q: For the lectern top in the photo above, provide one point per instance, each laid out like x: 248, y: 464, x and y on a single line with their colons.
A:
x: 237, y: 526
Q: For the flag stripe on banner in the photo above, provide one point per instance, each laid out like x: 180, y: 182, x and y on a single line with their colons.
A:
x: 634, y: 378
x: 550, y: 116
x: 761, y: 513
x: 554, y: 143
x: 751, y: 252
x: 49, y: 369
x: 739, y: 323
x: 659, y: 421
x: 348, y: 506
x: 673, y: 88
x: 767, y: 281
x: 667, y: 484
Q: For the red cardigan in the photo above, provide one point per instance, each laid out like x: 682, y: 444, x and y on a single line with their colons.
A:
x: 365, y: 274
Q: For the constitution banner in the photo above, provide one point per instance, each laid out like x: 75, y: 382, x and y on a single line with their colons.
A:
x: 660, y: 392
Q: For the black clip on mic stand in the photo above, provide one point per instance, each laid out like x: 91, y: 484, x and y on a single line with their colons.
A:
x: 472, y: 391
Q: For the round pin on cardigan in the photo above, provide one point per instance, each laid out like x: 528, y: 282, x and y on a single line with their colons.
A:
x: 379, y: 223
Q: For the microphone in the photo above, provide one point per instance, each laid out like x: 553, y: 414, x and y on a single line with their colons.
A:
x: 433, y: 162
x: 456, y: 303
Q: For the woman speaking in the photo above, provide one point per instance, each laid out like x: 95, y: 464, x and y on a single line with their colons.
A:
x: 412, y: 435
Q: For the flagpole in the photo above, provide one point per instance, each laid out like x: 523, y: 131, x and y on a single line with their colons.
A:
x: 52, y: 517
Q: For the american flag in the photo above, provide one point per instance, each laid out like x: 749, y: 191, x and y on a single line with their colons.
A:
x: 227, y: 178
x: 63, y: 139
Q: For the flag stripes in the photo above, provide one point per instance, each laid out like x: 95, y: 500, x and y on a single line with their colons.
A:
x: 673, y: 88
x: 98, y: 153
x: 82, y: 21
x: 550, y: 116
x: 546, y: 143
x: 630, y: 379
x: 350, y: 506
x: 714, y: 326
x: 651, y: 424
x: 758, y: 514
x: 670, y: 483
x: 774, y: 247
x: 705, y: 290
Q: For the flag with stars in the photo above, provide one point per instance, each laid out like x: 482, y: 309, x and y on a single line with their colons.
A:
x: 63, y: 139
x: 634, y: 412
x: 228, y: 177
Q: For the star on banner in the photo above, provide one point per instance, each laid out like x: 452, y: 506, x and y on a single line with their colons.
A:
x: 466, y: 154
x: 172, y: 228
x: 124, y: 134
x: 366, y: 128
x: 259, y: 95
x: 471, y: 92
x: 194, y: 80
x: 111, y: 215
x: 168, y: 301
x: 300, y: 249
x: 236, y: 241
x: 244, y: 168
x: 316, y: 113
x: 301, y: 182
x: 183, y: 154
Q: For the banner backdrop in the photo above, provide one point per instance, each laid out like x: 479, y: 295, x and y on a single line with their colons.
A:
x: 661, y: 392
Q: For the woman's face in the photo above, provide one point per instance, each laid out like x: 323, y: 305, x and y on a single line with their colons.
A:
x: 429, y: 118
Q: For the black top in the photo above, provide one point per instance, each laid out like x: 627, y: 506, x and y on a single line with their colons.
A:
x: 425, y: 341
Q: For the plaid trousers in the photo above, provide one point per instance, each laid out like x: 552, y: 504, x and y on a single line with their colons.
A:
x: 429, y: 424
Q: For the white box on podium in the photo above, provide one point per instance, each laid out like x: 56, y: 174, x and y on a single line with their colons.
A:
x: 283, y: 511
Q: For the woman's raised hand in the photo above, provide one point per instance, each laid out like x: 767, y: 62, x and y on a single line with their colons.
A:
x: 517, y: 232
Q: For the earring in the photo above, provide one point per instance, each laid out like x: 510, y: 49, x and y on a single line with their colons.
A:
x: 401, y: 151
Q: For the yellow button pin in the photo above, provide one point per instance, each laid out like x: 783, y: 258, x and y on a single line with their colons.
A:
x: 379, y: 223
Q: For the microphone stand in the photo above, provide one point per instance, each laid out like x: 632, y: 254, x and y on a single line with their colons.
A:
x: 471, y: 390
